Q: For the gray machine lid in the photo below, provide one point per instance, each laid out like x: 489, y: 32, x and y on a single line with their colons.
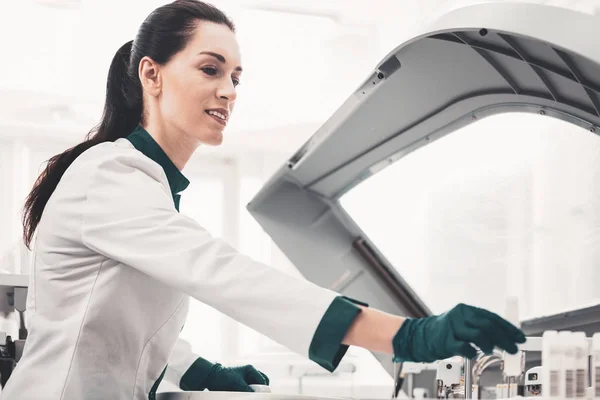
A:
x: 471, y: 63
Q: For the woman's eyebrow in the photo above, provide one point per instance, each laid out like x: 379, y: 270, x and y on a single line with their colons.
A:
x: 219, y: 57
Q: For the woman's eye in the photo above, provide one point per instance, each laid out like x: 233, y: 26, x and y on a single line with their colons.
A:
x: 209, y: 70
x: 235, y: 81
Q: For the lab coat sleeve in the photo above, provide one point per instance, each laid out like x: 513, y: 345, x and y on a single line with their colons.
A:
x: 183, y: 362
x: 129, y: 216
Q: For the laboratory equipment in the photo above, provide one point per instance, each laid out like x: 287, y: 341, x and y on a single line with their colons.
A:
x: 555, y: 348
x: 449, y: 379
x: 470, y: 64
x: 420, y: 394
x: 552, y: 375
x: 513, y: 368
x: 533, y: 381
x: 513, y: 365
x: 568, y: 364
x: 468, y: 378
x: 409, y: 373
x: 13, y: 298
x: 595, y: 365
x: 580, y: 363
x: 399, y: 380
x: 483, y: 362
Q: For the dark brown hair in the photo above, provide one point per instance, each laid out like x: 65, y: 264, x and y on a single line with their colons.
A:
x: 163, y: 34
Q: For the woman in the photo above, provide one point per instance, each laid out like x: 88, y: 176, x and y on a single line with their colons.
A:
x: 115, y: 263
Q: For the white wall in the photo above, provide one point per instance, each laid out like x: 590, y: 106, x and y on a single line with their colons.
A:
x: 507, y: 206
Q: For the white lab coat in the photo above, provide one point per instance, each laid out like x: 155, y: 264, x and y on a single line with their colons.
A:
x: 16, y: 261
x: 112, y: 270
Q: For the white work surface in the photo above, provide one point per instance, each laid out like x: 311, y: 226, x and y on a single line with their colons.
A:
x: 12, y: 280
x: 233, y: 396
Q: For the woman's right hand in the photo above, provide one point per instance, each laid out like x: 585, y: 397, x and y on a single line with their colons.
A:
x: 235, y: 379
x: 451, y: 334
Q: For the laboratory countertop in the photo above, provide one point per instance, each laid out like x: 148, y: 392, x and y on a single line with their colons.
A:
x: 12, y: 280
x: 234, y: 396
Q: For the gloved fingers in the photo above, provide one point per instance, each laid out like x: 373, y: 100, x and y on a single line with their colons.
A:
x: 476, y: 335
x: 252, y: 376
x: 267, y: 382
x: 499, y: 336
x: 465, y: 349
x: 505, y: 344
x: 514, y: 333
x: 484, y: 343
x: 502, y: 333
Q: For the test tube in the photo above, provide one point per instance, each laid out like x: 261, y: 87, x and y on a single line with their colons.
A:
x: 581, y: 358
x: 568, y: 363
x: 512, y: 365
x: 596, y: 366
x: 552, y: 363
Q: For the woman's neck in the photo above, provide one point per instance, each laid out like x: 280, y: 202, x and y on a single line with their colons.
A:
x: 178, y: 146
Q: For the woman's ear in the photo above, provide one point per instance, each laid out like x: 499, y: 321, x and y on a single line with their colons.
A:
x: 149, y: 73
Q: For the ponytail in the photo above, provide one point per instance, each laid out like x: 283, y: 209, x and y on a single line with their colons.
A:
x: 122, y: 113
x: 165, y: 32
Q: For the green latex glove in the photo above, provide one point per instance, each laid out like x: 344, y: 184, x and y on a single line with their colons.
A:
x: 451, y: 334
x: 235, y: 379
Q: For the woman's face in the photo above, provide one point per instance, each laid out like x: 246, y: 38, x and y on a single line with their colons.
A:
x: 198, y: 85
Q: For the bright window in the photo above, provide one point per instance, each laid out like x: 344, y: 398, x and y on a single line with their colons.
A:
x: 507, y: 206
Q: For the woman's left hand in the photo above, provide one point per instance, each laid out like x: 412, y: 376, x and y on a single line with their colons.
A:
x: 452, y: 333
x: 234, y: 379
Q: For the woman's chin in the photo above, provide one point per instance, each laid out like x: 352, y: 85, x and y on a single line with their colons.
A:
x: 215, y: 139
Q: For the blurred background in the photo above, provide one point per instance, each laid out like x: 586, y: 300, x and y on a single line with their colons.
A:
x: 302, y: 59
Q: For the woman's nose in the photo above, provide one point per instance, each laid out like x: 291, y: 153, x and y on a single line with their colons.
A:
x: 227, y: 91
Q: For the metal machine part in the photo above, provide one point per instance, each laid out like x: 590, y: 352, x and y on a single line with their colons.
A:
x: 481, y: 363
x: 511, y: 386
x: 533, y: 381
x: 515, y: 380
x: 448, y: 377
x: 398, y: 381
x: 410, y: 385
x: 450, y: 384
x: 468, y: 379
x: 585, y: 319
x: 410, y: 376
x: 20, y: 302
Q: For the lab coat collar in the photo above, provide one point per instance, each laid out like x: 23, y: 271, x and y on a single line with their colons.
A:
x: 142, y: 141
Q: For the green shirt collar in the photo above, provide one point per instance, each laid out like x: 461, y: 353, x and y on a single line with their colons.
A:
x: 142, y: 141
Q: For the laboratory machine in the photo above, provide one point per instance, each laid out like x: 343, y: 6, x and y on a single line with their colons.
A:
x: 470, y: 64
x: 13, y: 296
